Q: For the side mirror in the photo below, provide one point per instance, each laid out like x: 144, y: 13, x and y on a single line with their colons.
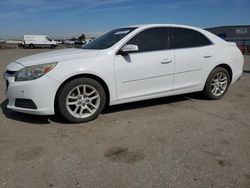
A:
x: 128, y: 48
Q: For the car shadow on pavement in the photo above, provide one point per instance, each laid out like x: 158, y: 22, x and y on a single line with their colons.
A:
x: 152, y: 102
x: 35, y: 119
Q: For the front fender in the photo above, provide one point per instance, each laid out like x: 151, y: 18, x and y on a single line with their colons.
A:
x: 64, y: 71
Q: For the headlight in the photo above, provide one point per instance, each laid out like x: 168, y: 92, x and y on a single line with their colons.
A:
x: 33, y: 72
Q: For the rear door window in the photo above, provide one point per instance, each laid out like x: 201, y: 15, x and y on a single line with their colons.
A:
x: 187, y: 38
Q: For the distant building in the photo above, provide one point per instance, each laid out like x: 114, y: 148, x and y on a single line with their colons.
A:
x: 237, y: 33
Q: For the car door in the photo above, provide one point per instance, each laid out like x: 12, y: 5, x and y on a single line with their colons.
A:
x: 47, y: 42
x: 147, y: 72
x: 193, y: 52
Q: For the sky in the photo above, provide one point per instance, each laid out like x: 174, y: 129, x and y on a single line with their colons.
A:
x: 70, y: 18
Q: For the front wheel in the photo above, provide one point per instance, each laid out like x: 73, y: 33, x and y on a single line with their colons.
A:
x: 81, y: 100
x: 217, y: 84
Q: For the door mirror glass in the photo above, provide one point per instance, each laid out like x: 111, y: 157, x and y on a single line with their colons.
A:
x: 129, y: 48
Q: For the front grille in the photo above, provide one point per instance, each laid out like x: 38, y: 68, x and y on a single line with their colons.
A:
x: 25, y: 103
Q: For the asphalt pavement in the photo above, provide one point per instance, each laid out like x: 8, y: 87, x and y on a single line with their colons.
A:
x: 180, y: 141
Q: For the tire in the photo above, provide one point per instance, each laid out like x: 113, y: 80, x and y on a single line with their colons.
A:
x: 31, y: 46
x: 79, y: 108
x: 217, y: 84
x: 53, y: 46
x: 20, y: 46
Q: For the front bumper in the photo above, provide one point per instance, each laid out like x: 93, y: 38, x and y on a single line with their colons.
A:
x: 41, y: 91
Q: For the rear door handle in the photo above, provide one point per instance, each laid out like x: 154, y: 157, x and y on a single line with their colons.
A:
x: 166, y: 61
x: 208, y: 56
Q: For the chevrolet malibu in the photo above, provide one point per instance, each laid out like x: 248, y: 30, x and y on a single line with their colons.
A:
x: 124, y: 65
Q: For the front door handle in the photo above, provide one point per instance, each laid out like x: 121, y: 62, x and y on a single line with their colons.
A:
x: 166, y: 61
x: 208, y: 56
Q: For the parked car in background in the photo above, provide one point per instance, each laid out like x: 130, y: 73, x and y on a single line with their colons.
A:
x: 243, y: 45
x: 68, y: 42
x: 241, y: 48
x: 88, y: 40
x: 247, y: 47
x: 77, y: 42
x: 1, y: 42
x: 58, y: 41
x: 41, y: 41
x: 125, y: 65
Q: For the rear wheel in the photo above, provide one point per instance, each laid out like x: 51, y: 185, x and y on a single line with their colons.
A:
x: 31, y: 46
x: 81, y: 100
x: 217, y: 84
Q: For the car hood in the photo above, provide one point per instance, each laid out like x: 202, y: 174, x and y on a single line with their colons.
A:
x: 50, y: 57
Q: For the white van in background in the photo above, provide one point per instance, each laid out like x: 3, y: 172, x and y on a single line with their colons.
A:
x: 42, y: 41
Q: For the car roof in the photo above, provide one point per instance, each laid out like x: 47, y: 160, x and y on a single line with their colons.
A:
x: 162, y: 25
x: 210, y: 35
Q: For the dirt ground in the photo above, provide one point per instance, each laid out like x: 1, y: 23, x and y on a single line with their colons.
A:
x: 181, y: 141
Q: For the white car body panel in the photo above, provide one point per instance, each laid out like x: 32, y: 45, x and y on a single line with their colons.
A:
x: 57, y: 56
x: 191, y: 67
x: 150, y: 73
x: 14, y: 66
x: 135, y: 77
x: 36, y: 90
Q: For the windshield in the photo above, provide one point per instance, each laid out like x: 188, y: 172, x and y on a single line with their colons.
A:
x: 49, y: 39
x: 109, y: 39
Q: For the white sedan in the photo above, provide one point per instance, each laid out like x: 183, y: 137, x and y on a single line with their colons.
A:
x: 124, y: 65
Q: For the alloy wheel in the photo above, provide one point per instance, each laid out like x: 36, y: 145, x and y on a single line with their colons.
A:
x: 219, y: 84
x: 83, y: 101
